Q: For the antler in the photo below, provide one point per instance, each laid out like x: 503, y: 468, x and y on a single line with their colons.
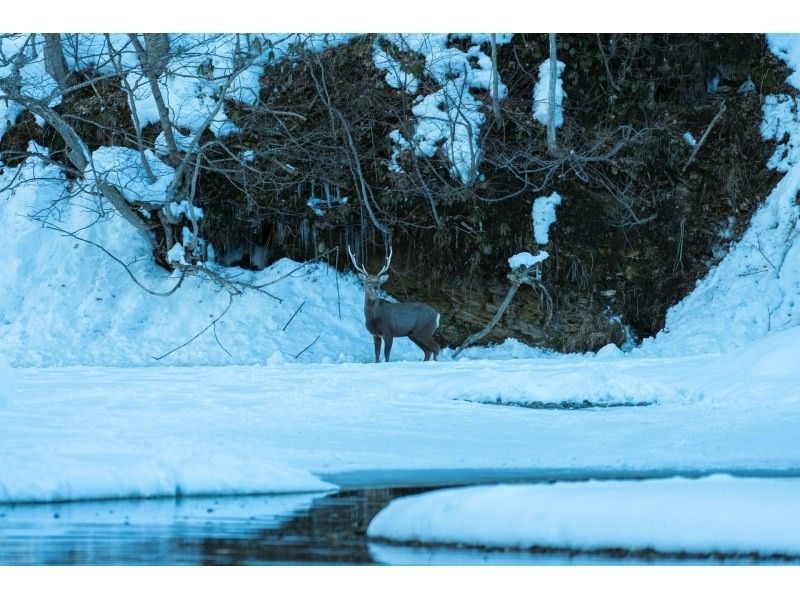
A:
x: 359, y: 268
x: 388, y: 261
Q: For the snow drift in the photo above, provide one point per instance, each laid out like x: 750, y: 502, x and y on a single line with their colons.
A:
x: 718, y: 514
x: 71, y: 304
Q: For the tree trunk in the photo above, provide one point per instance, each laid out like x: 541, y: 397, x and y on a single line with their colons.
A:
x: 551, y: 98
x: 153, y: 65
x: 157, y: 45
x: 498, y: 119
x: 54, y: 62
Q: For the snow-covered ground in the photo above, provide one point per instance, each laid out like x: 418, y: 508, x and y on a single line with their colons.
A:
x: 70, y: 433
x: 717, y: 514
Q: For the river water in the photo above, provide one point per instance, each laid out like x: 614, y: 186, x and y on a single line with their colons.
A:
x: 257, y: 530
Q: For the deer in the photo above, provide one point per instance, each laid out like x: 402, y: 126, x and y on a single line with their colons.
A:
x: 385, y: 320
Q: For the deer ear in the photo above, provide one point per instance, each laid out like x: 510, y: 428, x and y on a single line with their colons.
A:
x: 383, y: 278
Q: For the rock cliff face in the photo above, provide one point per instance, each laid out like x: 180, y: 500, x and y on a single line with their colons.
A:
x: 644, y: 214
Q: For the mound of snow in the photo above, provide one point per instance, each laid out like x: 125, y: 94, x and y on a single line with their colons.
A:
x: 73, y: 305
x: 775, y: 356
x: 115, y: 474
x: 717, y: 514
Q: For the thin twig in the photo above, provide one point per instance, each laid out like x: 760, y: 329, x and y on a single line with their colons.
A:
x: 336, y: 277
x: 679, y: 252
x: 285, y: 326
x: 605, y: 62
x: 308, y: 347
x: 288, y: 274
x: 703, y: 138
x: 217, y: 319
x: 758, y: 248
x: 216, y: 338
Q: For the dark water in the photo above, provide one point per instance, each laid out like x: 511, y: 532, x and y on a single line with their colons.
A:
x: 287, y: 529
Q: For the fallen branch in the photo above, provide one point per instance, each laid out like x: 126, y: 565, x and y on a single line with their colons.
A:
x: 764, y: 255
x: 705, y: 134
x: 493, y: 322
x: 517, y: 278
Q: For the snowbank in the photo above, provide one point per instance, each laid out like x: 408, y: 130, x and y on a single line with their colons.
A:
x: 71, y: 304
x: 146, y: 473
x: 717, y: 514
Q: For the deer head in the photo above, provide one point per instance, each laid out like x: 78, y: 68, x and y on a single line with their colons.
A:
x: 372, y: 283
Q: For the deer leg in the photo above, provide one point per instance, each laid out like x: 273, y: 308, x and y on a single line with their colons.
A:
x: 377, y: 341
x: 435, y: 348
x: 432, y: 347
x: 387, y: 346
x: 421, y: 346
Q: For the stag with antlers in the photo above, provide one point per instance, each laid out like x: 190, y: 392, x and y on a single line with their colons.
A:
x: 387, y: 320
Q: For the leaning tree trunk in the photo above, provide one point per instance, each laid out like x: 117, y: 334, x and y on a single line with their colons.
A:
x: 517, y: 278
x: 54, y: 62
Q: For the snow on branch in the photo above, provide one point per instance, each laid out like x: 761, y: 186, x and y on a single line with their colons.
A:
x: 122, y: 167
x: 451, y: 117
x: 526, y: 260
